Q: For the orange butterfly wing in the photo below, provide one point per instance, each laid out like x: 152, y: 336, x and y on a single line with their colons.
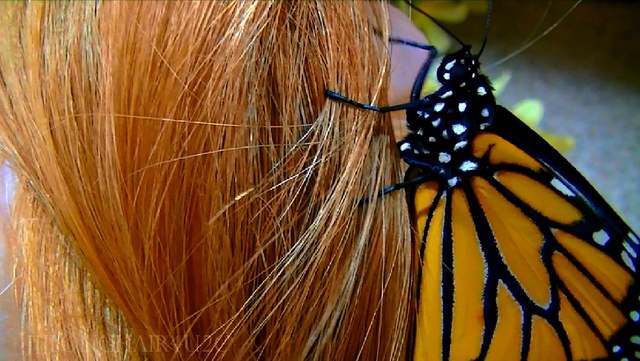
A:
x: 515, y: 265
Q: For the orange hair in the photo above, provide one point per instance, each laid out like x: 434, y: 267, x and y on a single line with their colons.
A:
x: 185, y: 191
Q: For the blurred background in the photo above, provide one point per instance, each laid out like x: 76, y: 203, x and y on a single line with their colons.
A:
x: 579, y: 85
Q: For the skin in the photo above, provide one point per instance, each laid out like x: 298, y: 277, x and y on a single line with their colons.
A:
x: 405, y: 63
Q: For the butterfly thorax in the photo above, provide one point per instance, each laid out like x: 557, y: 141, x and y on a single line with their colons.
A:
x: 441, y: 128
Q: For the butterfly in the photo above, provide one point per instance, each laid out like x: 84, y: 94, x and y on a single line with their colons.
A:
x: 521, y: 258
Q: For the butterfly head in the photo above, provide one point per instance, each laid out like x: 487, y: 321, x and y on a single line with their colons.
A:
x: 459, y: 68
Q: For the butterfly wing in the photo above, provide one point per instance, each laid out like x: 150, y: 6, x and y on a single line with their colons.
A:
x: 523, y: 260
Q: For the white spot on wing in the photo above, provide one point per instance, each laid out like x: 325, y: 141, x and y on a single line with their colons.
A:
x: 630, y: 249
x: 436, y: 122
x: 444, y: 157
x: 484, y: 126
x: 438, y: 107
x: 462, y: 106
x: 601, y: 237
x: 468, y: 165
x: 452, y: 181
x: 432, y: 139
x: 405, y: 146
x: 458, y: 128
x: 485, y: 112
x: 633, y: 237
x: 628, y: 261
x: 557, y: 184
x: 447, y: 76
x: 447, y: 94
x: 635, y: 316
x: 482, y: 90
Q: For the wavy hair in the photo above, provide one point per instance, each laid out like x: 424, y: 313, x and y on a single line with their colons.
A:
x: 185, y: 191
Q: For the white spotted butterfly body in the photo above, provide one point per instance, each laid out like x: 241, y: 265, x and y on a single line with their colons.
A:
x: 450, y: 117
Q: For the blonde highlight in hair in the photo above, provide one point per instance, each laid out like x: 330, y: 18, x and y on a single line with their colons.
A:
x: 186, y: 192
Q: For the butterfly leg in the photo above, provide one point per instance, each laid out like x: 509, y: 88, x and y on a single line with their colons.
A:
x: 380, y: 109
x: 424, y: 69
x: 422, y: 165
x: 415, y: 99
x: 431, y: 49
x: 396, y: 187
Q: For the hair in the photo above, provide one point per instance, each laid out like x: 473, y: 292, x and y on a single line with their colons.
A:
x: 185, y: 191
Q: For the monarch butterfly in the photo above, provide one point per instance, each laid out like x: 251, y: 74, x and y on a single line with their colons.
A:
x: 521, y: 258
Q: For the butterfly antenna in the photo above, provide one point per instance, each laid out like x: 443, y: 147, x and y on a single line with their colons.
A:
x: 487, y: 27
x: 540, y: 22
x: 452, y: 35
x: 528, y: 44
